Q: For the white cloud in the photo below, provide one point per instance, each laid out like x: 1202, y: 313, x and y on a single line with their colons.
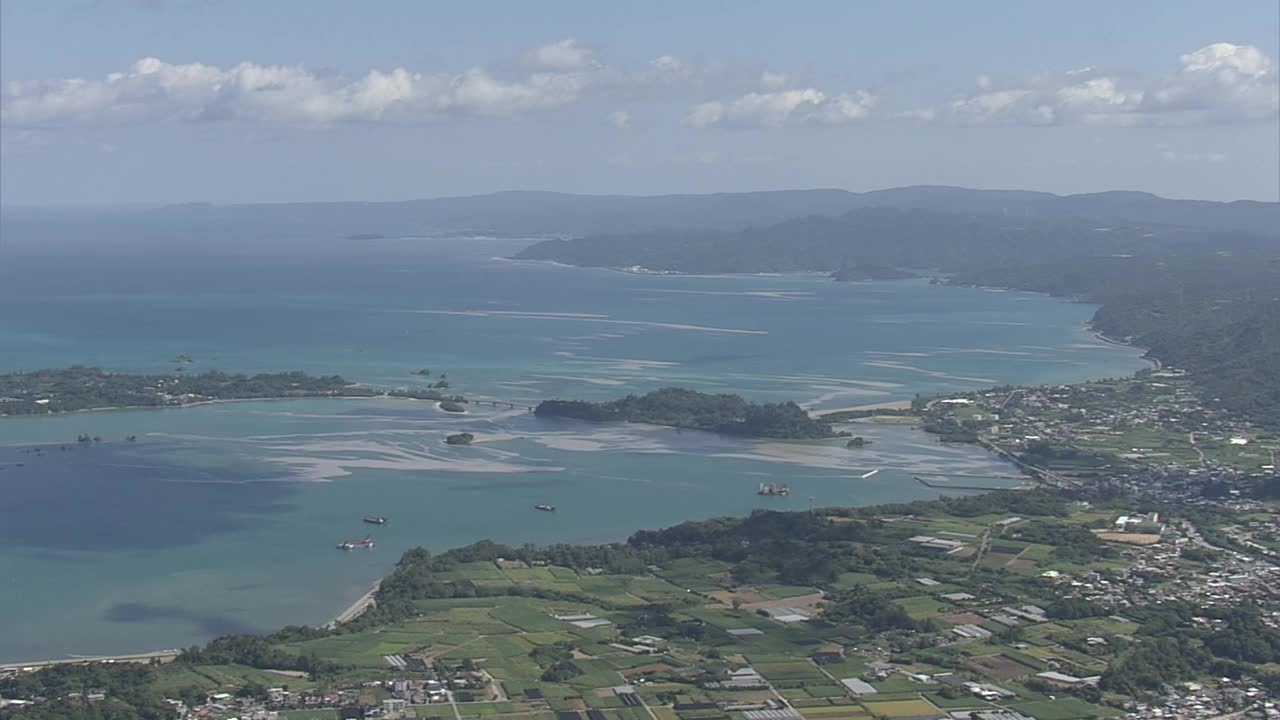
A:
x: 1203, y: 157
x: 667, y: 63
x: 776, y: 109
x: 924, y: 115
x: 773, y: 81
x: 287, y: 95
x: 563, y: 56
x: 705, y: 114
x: 846, y: 108
x: 668, y: 71
x: 1217, y: 83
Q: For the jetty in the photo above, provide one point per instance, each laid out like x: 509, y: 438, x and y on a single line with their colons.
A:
x: 949, y: 486
x: 502, y: 404
x: 356, y: 608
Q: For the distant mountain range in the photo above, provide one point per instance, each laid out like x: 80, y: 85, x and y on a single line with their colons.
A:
x: 547, y: 213
x: 918, y: 240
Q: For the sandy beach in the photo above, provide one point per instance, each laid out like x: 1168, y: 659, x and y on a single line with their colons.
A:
x: 892, y: 405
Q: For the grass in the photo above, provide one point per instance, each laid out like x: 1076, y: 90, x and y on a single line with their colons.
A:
x: 1063, y: 708
x: 309, y: 714
x: 175, y: 676
x: 901, y: 708
x: 836, y: 712
x: 922, y: 606
x: 795, y: 670
x: 786, y: 591
x: 500, y: 632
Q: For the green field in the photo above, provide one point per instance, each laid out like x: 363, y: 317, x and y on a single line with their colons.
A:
x: 901, y: 708
x: 517, y: 641
x: 1064, y: 709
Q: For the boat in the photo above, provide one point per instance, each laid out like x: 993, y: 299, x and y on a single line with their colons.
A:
x: 545, y: 508
x: 773, y: 489
x: 364, y: 542
x: 375, y: 520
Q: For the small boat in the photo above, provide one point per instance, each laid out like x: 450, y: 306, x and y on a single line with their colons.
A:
x: 364, y: 542
x: 375, y: 520
x: 545, y: 508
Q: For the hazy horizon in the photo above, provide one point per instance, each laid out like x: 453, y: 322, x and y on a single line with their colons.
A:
x: 173, y: 101
x: 145, y: 205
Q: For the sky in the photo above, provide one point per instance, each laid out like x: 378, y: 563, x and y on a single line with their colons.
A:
x: 133, y: 102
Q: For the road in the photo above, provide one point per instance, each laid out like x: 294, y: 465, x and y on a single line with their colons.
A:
x: 357, y: 607
x: 454, y: 704
x: 160, y: 655
x: 1191, y: 437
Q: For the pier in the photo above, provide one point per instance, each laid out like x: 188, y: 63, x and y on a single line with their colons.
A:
x: 502, y: 404
x: 993, y: 476
x: 948, y: 486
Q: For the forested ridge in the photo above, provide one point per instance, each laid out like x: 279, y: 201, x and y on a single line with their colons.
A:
x: 689, y: 409
x: 78, y: 387
x: 1196, y: 298
x: 922, y: 240
x: 85, y: 388
x: 1215, y: 315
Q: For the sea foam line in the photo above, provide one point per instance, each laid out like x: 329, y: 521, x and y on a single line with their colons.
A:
x: 589, y: 318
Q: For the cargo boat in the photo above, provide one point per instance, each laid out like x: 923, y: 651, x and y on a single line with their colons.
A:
x: 352, y: 545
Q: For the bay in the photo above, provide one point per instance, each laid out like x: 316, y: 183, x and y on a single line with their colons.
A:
x: 223, y: 517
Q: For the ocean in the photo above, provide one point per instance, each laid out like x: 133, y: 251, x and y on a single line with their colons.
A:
x: 223, y: 517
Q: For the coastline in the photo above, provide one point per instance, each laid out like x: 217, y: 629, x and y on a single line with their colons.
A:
x: 1146, y: 352
x: 218, y: 401
x: 349, y: 613
x: 357, y: 608
x: 162, y: 656
x: 888, y: 405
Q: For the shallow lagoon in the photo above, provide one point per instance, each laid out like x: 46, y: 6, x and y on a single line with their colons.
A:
x: 223, y: 517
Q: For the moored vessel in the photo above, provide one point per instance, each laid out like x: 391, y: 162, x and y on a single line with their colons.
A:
x: 364, y: 542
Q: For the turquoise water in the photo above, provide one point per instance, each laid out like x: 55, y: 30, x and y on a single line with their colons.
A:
x: 223, y: 517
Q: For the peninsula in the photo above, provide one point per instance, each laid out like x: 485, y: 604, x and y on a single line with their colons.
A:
x: 43, y: 392
x: 692, y: 410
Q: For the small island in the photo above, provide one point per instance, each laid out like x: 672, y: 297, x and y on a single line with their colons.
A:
x: 463, y: 438
x: 452, y: 406
x: 46, y: 392
x: 692, y: 410
x: 857, y: 442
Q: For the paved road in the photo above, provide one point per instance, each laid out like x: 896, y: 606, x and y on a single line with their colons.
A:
x: 161, y: 655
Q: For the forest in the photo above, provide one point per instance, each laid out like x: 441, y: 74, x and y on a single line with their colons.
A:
x: 85, y: 388
x: 1195, y: 298
x: 927, y: 241
x: 692, y: 410
x: 78, y: 387
x: 1217, y: 316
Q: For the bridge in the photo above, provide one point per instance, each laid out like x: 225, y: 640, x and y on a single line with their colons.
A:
x: 948, y: 486
x: 502, y: 404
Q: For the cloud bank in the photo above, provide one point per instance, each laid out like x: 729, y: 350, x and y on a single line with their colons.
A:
x: 296, y: 96
x: 1220, y: 83
x: 1217, y: 84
